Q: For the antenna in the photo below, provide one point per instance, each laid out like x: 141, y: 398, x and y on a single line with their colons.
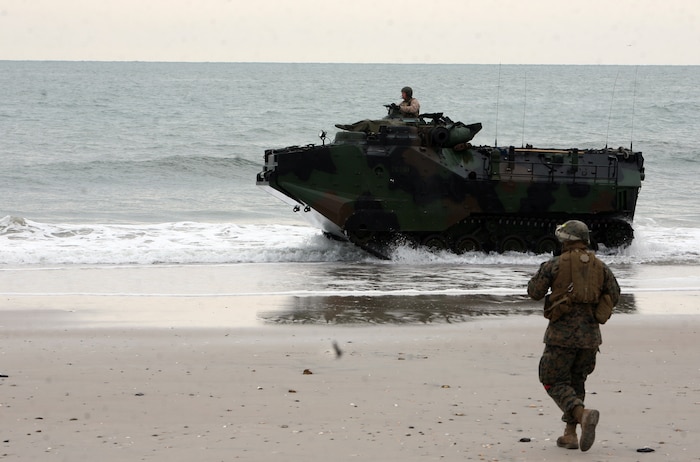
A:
x: 498, y: 97
x: 611, y: 107
x: 522, y: 142
x: 634, y: 100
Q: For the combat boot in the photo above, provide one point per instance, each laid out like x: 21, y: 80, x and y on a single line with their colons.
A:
x: 588, y: 418
x: 569, y: 439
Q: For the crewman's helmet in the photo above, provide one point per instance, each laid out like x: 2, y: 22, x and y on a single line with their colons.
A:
x: 573, y: 230
x: 408, y: 91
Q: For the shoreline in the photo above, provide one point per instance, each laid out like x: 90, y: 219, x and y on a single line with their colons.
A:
x: 258, y: 294
x: 71, y: 311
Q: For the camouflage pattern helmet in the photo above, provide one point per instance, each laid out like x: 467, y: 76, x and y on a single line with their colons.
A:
x: 408, y: 91
x: 572, y: 230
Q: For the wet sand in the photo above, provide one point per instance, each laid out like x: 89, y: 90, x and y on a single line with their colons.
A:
x: 121, y: 378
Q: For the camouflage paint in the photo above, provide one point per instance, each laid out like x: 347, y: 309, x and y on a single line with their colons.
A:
x: 423, y: 180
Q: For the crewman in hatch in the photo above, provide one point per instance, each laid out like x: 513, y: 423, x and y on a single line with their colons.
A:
x: 409, y: 106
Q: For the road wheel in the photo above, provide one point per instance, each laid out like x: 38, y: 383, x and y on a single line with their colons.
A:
x: 547, y: 244
x: 435, y: 242
x: 512, y: 243
x: 468, y: 243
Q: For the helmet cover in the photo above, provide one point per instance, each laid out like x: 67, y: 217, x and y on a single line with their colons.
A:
x: 573, y: 230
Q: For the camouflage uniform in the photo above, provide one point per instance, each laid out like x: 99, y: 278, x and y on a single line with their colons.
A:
x: 410, y: 107
x: 572, y: 340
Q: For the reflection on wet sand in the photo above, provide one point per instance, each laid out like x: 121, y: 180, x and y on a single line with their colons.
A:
x: 419, y: 309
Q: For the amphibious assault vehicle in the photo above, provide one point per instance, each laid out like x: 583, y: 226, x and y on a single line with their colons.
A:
x: 421, y: 181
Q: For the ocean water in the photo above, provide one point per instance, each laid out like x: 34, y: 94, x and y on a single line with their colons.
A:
x: 108, y: 164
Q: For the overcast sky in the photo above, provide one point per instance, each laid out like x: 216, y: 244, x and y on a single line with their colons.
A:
x: 375, y: 31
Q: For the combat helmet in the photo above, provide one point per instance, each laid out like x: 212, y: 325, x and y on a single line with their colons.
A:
x: 408, y: 91
x: 573, y: 230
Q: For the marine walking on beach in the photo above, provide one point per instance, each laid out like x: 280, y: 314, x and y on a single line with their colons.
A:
x: 583, y: 293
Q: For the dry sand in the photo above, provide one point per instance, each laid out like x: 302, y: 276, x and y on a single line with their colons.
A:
x: 466, y: 391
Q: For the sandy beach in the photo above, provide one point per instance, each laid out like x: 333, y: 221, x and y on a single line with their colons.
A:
x: 76, y: 388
